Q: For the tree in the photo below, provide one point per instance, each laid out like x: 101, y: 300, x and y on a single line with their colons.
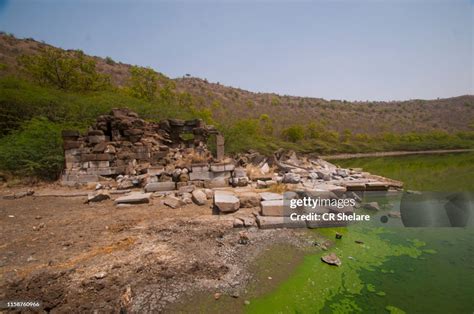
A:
x: 294, y: 133
x: 143, y: 83
x: 67, y: 70
x: 266, y: 124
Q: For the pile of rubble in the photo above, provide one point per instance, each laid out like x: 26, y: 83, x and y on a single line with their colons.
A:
x: 123, y: 152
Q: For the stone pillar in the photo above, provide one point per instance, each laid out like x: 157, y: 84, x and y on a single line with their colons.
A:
x: 220, y: 146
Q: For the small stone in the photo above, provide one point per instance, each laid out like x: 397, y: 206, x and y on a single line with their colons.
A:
x: 217, y: 296
x: 247, y: 302
x: 331, y: 259
x: 238, y: 223
x: 291, y: 178
x: 100, y: 275
x: 394, y: 214
x: 270, y: 278
x: 338, y: 235
x: 243, y: 238
x: 359, y: 242
x: 371, y: 206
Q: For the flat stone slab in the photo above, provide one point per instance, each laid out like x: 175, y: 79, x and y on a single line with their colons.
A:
x: 273, y: 208
x: 330, y: 187
x: 160, y: 186
x: 226, y: 201
x: 269, y: 196
x: 134, y: 198
x: 377, y: 186
x: 272, y: 222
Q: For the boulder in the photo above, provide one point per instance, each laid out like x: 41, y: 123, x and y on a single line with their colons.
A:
x: 125, y: 184
x: 249, y: 199
x: 226, y: 202
x: 238, y: 223
x: 248, y: 221
x: 172, y: 202
x: 187, y: 198
x: 199, y: 197
x: 134, y: 198
x: 291, y: 178
x: 331, y: 259
x: 209, y: 193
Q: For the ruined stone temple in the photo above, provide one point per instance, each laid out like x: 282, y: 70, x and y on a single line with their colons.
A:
x: 122, y: 144
x: 170, y: 161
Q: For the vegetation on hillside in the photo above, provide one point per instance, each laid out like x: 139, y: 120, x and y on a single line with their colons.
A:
x: 58, y: 89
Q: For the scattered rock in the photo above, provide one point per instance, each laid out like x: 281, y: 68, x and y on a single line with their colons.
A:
x: 160, y: 186
x: 238, y: 223
x: 217, y: 296
x: 338, y: 235
x: 100, y: 275
x: 98, y: 196
x: 199, y: 197
x: 331, y: 259
x: 226, y: 202
x: 134, y: 198
x: 172, y: 202
x: 249, y: 199
x: 291, y: 178
x: 394, y: 214
x: 209, y: 193
x: 359, y: 242
x: 371, y: 206
x: 243, y: 238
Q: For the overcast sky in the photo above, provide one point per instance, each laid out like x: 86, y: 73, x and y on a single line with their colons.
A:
x: 355, y: 50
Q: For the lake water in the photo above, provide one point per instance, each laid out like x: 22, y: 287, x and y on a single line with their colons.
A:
x: 395, y: 270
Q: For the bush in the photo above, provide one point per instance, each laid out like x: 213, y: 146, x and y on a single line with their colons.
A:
x: 294, y: 133
x: 35, y: 150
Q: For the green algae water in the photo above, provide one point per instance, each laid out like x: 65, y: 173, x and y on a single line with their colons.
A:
x: 389, y: 270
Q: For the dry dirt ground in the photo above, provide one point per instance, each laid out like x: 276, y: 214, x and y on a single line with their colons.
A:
x: 77, y: 257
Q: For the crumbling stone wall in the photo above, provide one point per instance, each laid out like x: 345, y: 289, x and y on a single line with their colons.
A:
x: 122, y: 144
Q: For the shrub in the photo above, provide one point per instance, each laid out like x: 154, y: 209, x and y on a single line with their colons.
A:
x: 34, y: 150
x: 143, y: 83
x: 294, y: 133
x: 109, y: 60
